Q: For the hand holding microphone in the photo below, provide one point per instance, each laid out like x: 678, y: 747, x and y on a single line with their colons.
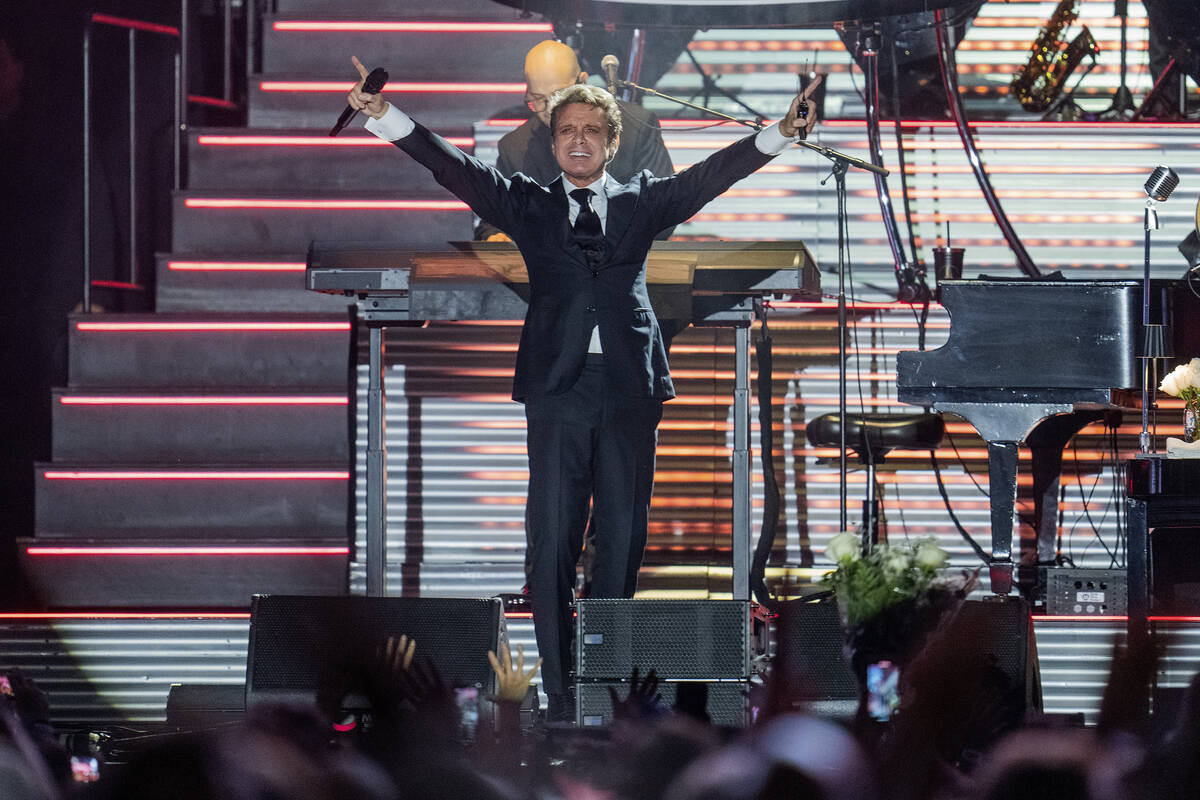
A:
x: 801, y: 119
x: 365, y: 96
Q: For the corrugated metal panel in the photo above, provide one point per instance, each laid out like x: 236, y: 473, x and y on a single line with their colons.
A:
x: 97, y: 670
x: 110, y: 671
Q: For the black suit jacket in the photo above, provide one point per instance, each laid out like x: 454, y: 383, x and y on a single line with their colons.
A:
x: 527, y: 150
x: 567, y: 295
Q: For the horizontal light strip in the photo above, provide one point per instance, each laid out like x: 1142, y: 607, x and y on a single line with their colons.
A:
x: 17, y: 617
x: 194, y: 475
x: 216, y: 102
x: 134, y: 24
x: 237, y: 266
x: 324, y: 205
x: 187, y: 551
x: 1109, y: 618
x: 372, y: 26
x: 212, y: 326
x: 1032, y: 125
x: 198, y: 400
x: 126, y: 285
x: 440, y: 87
x: 210, y: 140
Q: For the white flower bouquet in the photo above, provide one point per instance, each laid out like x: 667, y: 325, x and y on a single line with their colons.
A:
x: 891, y: 599
x: 1183, y: 381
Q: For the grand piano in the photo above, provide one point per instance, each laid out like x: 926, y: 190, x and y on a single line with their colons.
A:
x: 704, y: 284
x: 1032, y: 362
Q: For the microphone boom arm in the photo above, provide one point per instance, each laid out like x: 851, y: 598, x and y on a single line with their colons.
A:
x: 828, y: 152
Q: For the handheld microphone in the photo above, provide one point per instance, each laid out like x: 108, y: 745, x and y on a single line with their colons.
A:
x: 372, y: 85
x: 608, y: 65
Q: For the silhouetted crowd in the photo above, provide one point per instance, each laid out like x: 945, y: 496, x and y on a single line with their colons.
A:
x: 406, y: 737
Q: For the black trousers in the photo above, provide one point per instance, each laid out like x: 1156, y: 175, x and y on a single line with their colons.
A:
x: 590, y: 444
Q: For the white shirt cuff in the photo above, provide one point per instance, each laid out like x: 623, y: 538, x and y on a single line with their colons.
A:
x: 771, y: 142
x: 393, y: 125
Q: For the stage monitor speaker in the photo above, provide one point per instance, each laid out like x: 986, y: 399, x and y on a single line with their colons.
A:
x: 810, y: 650
x: 1000, y: 630
x: 678, y: 639
x: 725, y: 702
x: 294, y: 638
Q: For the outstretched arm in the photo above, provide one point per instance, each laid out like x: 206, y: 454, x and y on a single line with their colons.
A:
x: 477, y: 184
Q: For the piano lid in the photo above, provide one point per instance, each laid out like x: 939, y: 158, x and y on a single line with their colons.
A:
x: 725, y: 13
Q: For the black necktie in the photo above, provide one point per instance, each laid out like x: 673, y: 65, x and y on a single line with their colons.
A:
x: 587, y: 230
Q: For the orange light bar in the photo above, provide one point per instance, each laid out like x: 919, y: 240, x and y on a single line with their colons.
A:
x: 237, y: 266
x: 441, y: 87
x: 193, y: 475
x: 1049, y: 124
x: 187, y: 551
x: 210, y: 140
x: 212, y: 326
x: 373, y: 26
x: 51, y: 615
x: 325, y: 205
x: 185, y: 400
x: 828, y: 306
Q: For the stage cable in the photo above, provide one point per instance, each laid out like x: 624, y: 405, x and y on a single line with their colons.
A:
x: 766, y: 440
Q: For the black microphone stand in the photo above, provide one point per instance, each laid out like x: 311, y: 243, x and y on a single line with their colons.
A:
x: 1122, y: 104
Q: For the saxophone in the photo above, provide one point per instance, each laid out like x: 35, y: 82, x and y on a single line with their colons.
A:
x: 1051, y: 62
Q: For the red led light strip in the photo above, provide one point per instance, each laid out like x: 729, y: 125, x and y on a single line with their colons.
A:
x: 216, y: 102
x: 440, y: 87
x: 312, y: 141
x: 212, y: 326
x: 193, y: 475
x: 412, y: 27
x: 134, y: 24
x: 324, y: 205
x: 66, y: 615
x: 187, y: 551
x: 184, y: 400
x: 237, y: 266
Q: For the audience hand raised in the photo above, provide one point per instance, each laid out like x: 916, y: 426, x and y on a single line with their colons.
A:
x: 512, y: 681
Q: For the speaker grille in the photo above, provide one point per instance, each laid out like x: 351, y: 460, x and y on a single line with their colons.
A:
x: 726, y: 702
x: 292, y: 638
x: 810, y: 650
x: 679, y: 639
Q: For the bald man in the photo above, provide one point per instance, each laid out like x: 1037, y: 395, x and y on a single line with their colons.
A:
x: 550, y: 66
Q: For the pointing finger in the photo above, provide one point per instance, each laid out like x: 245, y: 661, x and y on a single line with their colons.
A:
x: 362, y: 71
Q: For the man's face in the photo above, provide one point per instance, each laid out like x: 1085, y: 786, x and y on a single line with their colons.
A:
x: 579, y: 142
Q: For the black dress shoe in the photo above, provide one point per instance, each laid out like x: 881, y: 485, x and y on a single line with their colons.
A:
x: 560, y: 707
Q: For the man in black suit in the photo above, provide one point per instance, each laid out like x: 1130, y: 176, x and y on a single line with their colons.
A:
x: 551, y: 66
x: 591, y: 366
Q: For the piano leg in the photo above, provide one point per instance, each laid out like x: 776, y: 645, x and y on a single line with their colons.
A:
x: 1002, y: 485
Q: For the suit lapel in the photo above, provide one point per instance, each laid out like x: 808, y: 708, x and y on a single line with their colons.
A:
x: 622, y: 207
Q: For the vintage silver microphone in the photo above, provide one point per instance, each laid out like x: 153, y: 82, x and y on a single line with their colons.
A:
x: 608, y: 65
x: 1161, y: 183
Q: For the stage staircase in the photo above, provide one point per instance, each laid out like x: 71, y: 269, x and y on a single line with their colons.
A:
x: 203, y: 453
